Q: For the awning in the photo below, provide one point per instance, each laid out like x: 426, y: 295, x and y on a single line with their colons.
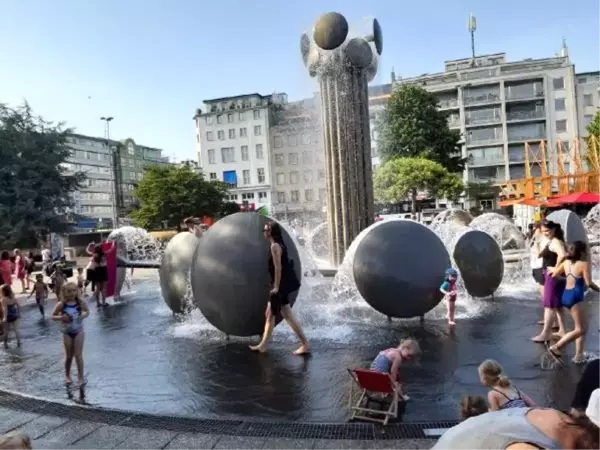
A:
x: 534, y: 202
x: 578, y: 198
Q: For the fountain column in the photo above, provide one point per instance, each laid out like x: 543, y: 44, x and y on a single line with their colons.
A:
x: 344, y: 67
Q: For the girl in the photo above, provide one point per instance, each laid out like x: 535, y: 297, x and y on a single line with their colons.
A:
x: 100, y: 272
x: 389, y: 360
x: 552, y: 255
x: 448, y: 288
x: 472, y: 405
x: 10, y: 314
x: 21, y: 270
x: 6, y: 268
x: 71, y: 311
x: 578, y: 279
x: 503, y: 394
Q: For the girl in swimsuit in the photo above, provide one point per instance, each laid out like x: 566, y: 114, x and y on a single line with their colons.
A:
x: 503, y: 394
x: 71, y: 311
x: 389, y: 360
x: 448, y: 288
x: 11, y: 314
x: 578, y: 279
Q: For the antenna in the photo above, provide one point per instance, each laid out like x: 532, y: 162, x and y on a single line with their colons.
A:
x: 472, y: 25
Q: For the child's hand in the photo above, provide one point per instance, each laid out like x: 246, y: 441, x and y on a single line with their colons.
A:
x: 65, y: 319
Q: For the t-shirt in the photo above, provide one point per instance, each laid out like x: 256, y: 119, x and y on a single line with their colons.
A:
x: 536, y: 261
x: 589, y: 381
x: 46, y: 255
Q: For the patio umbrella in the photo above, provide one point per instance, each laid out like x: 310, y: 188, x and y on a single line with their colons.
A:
x: 578, y: 198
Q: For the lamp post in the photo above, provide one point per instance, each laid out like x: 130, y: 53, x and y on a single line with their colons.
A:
x: 113, y: 184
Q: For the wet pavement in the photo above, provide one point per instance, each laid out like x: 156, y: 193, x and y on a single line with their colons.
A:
x: 138, y: 357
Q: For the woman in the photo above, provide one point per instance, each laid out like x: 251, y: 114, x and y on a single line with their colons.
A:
x: 6, y: 268
x: 522, y: 428
x: 538, y: 241
x: 552, y: 254
x: 21, y: 270
x: 283, y: 283
x: 99, y: 271
x: 577, y: 271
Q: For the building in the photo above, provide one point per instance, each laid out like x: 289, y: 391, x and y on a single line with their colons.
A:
x: 500, y: 106
x: 587, y: 88
x: 233, y: 145
x: 378, y: 98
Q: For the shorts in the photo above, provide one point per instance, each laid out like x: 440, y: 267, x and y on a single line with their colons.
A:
x: 101, y: 274
x: 277, y: 301
x: 538, y: 276
x: 553, y: 291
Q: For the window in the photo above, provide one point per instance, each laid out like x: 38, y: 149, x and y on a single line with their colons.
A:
x: 305, y: 139
x: 295, y: 196
x: 260, y: 173
x: 293, y: 140
x: 487, y: 204
x: 320, y: 174
x: 245, y: 156
x: 130, y: 150
x: 308, y: 195
x: 262, y: 195
x: 211, y: 156
x: 281, y: 197
x: 257, y: 130
x: 587, y: 119
x: 294, y: 177
x: 246, y: 176
x: 219, y: 119
x: 208, y: 120
x: 230, y: 118
x: 308, y: 176
x: 231, y: 133
x: 588, y: 100
x: 307, y: 157
x: 256, y: 114
x: 559, y: 104
x: 558, y: 83
x: 277, y: 142
x: 293, y: 158
x: 212, y: 176
x: 221, y: 135
x: 279, y: 159
x: 248, y: 196
x: 227, y: 155
x: 280, y: 177
x: 561, y: 126
x: 241, y: 115
x: 243, y: 132
x: 259, y: 151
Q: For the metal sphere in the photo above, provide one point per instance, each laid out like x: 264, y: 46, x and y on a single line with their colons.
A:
x: 304, y: 47
x: 359, y: 53
x: 174, y: 271
x: 399, y: 267
x: 479, y: 259
x: 571, y: 225
x: 377, y: 36
x: 371, y: 70
x: 330, y: 31
x: 230, y: 279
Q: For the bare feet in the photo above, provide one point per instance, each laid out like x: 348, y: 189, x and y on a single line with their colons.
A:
x: 302, y: 350
x: 451, y: 323
x: 258, y: 348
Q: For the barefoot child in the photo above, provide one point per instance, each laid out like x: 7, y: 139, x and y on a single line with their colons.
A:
x: 448, y: 288
x: 503, y: 394
x: 41, y: 292
x: 389, y: 361
x: 10, y: 314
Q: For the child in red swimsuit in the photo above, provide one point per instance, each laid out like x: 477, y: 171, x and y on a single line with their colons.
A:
x: 448, y: 288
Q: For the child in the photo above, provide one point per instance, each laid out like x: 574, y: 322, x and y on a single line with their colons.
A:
x: 448, y: 288
x: 10, y: 314
x: 71, y: 311
x: 472, y: 405
x: 41, y: 292
x: 503, y: 394
x: 389, y: 361
x: 80, y: 281
x: 57, y: 279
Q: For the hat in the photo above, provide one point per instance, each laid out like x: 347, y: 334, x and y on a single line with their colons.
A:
x: 451, y: 272
x: 593, y: 408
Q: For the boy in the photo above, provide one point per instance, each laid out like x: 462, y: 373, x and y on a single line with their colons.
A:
x: 41, y: 292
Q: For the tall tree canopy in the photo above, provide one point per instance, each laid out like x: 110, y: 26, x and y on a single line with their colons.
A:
x: 399, y: 177
x: 593, y: 142
x: 413, y: 126
x: 170, y: 193
x: 35, y: 186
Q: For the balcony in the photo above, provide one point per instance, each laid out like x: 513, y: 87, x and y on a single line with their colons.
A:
x: 450, y: 103
x: 483, y: 119
x: 525, y: 115
x: 484, y: 141
x: 481, y: 98
x: 454, y: 122
x: 485, y: 161
x: 514, y: 137
x: 524, y: 95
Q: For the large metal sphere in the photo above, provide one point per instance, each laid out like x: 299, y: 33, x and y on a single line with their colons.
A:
x: 359, y: 53
x: 479, y: 259
x: 330, y: 31
x: 399, y: 267
x: 230, y: 278
x: 174, y: 271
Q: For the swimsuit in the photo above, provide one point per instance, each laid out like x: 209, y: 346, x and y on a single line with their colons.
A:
x: 382, y: 363
x: 553, y: 286
x: 575, y: 294
x: 12, y: 313
x: 449, y: 286
x: 288, y: 284
x: 512, y: 402
x: 74, y: 327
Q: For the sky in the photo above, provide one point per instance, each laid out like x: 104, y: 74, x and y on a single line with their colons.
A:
x: 149, y: 64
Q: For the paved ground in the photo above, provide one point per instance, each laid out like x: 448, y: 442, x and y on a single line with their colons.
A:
x: 52, y: 432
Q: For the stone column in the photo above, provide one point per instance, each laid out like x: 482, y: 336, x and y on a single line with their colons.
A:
x: 344, y: 67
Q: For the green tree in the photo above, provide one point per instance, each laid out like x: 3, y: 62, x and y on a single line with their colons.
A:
x: 400, y: 177
x: 170, y: 193
x: 593, y: 142
x: 35, y: 186
x: 413, y: 126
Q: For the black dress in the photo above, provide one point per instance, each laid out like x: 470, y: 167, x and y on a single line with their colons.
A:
x: 288, y: 284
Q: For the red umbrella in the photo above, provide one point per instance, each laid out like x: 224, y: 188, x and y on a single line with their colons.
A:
x: 578, y: 197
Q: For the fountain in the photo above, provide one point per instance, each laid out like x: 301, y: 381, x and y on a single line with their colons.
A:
x: 504, y: 232
x: 174, y: 272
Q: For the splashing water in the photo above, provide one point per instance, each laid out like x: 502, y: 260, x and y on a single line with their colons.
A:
x: 591, y: 222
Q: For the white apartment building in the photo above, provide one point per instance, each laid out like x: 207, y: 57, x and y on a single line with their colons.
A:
x: 378, y: 98
x: 587, y: 88
x: 233, y: 145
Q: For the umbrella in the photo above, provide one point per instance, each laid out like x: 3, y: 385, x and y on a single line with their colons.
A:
x: 578, y: 197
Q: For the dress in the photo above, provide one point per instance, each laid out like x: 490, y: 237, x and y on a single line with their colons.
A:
x: 553, y: 286
x: 289, y: 282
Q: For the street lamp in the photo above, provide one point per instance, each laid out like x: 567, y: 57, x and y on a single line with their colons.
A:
x: 113, y: 187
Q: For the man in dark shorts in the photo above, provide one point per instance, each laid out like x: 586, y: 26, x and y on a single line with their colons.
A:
x: 589, y: 381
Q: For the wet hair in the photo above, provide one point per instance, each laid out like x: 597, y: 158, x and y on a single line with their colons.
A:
x: 491, y: 373
x: 6, y: 290
x: 472, y: 405
x: 555, y: 228
x: 191, y: 221
x: 4, y: 255
x: 275, y: 232
x: 412, y: 344
x: 15, y: 440
x: 577, y: 251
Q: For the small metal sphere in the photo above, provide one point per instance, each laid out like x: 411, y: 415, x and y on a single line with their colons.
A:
x: 377, y: 36
x: 359, y: 53
x: 304, y: 47
x: 330, y: 31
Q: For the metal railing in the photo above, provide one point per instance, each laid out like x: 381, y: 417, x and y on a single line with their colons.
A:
x: 471, y: 141
x: 524, y: 95
x: 524, y: 115
x: 451, y: 103
x: 486, y: 119
x: 483, y: 98
x: 526, y: 137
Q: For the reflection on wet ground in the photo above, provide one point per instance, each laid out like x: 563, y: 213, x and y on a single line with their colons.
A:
x: 138, y: 357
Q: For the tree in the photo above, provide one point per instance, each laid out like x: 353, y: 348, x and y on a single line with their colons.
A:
x: 412, y: 126
x: 592, y: 157
x: 399, y: 177
x: 170, y: 193
x: 35, y: 185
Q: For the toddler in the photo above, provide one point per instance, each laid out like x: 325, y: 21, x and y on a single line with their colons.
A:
x: 503, y: 394
x: 448, y: 288
x: 389, y: 361
x: 472, y: 405
x: 80, y: 282
x: 10, y: 314
x: 41, y: 292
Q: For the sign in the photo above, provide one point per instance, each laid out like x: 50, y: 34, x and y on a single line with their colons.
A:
x: 87, y: 224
